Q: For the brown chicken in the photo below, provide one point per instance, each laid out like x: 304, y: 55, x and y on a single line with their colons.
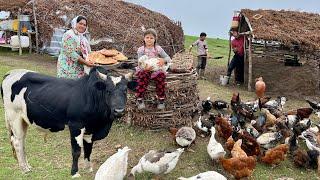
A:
x: 275, y: 155
x: 224, y: 129
x: 301, y: 158
x: 229, y: 144
x: 270, y: 118
x: 237, y: 151
x: 239, y: 167
x: 249, y: 143
x: 304, y: 112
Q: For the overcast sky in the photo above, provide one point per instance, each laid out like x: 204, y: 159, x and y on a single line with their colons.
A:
x: 213, y: 16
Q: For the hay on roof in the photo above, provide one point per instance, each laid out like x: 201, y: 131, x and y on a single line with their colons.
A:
x: 292, y: 28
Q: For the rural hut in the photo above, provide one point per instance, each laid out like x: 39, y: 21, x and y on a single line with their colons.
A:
x: 112, y: 23
x: 283, y: 47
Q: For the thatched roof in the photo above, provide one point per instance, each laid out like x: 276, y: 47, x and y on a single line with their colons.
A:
x: 288, y: 27
x: 121, y: 21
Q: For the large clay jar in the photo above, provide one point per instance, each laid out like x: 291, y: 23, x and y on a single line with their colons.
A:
x: 260, y: 87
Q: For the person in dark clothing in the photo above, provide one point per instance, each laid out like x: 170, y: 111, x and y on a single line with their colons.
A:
x: 237, y: 61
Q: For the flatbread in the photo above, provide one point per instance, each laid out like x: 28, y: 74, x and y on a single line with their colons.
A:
x: 95, y: 56
x: 107, y: 60
x: 109, y: 53
x: 121, y: 57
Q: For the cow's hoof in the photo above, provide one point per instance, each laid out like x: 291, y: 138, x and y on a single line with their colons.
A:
x: 25, y: 169
x: 77, y: 175
x: 88, y: 165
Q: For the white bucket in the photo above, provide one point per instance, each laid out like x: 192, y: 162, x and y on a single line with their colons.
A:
x: 224, y: 80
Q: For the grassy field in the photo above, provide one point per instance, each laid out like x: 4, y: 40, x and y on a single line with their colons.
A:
x: 52, y: 159
x: 217, y: 48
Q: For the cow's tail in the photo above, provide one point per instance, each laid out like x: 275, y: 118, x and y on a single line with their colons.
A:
x: 1, y: 89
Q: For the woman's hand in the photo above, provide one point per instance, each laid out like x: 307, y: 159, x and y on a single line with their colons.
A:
x: 89, y: 63
x: 161, y: 62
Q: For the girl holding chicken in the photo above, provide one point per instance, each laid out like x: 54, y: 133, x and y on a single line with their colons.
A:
x: 146, y: 71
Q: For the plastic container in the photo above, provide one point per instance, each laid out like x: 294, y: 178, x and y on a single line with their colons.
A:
x: 24, y: 17
x: 224, y: 80
x: 15, y: 41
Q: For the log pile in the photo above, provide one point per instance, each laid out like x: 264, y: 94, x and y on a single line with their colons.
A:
x: 182, y: 99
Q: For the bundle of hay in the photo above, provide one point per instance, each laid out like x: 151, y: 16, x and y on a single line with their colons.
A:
x: 112, y: 24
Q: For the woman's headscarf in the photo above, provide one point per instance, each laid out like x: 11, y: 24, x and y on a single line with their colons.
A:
x: 84, y: 43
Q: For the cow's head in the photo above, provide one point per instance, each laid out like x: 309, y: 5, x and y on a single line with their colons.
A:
x: 114, y: 88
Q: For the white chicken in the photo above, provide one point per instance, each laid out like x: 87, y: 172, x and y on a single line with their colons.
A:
x: 157, y: 162
x: 115, y: 167
x: 214, y: 148
x: 145, y: 61
x: 209, y: 175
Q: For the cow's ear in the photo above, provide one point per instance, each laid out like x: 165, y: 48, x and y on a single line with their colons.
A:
x: 132, y: 85
x: 100, y: 85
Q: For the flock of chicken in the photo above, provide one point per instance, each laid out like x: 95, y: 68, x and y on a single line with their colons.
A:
x: 252, y: 131
x: 255, y: 131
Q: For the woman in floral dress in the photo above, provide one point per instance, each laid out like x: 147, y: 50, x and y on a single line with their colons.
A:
x: 75, y: 49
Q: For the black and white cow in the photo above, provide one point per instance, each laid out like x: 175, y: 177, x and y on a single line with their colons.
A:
x: 87, y: 106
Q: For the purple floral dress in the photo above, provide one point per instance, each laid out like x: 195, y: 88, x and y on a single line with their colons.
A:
x: 68, y: 65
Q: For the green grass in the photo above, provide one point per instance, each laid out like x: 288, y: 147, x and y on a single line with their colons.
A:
x: 217, y: 47
x: 52, y: 159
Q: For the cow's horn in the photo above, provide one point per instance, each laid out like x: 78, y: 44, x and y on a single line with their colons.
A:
x: 102, y: 76
x: 128, y: 76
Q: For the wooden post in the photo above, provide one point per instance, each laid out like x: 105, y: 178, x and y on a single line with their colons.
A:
x: 245, y: 68
x: 35, y: 24
x: 19, y: 29
x: 30, y: 42
x: 250, y: 65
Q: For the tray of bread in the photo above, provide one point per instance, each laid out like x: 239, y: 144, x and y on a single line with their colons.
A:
x: 107, y: 57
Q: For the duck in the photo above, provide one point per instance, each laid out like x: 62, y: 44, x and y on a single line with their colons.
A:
x: 157, y: 162
x: 214, y: 148
x: 115, y: 167
x: 312, y: 139
x: 269, y: 140
x: 209, y: 175
x: 205, y: 124
x: 184, y: 136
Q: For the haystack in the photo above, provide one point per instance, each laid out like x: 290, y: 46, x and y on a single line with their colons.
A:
x: 182, y: 98
x: 112, y: 24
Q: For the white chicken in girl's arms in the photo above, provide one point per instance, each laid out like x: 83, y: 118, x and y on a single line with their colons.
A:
x: 144, y: 61
x: 115, y: 167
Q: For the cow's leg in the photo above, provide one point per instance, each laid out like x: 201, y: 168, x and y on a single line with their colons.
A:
x: 76, y: 136
x: 87, y: 148
x: 18, y: 135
